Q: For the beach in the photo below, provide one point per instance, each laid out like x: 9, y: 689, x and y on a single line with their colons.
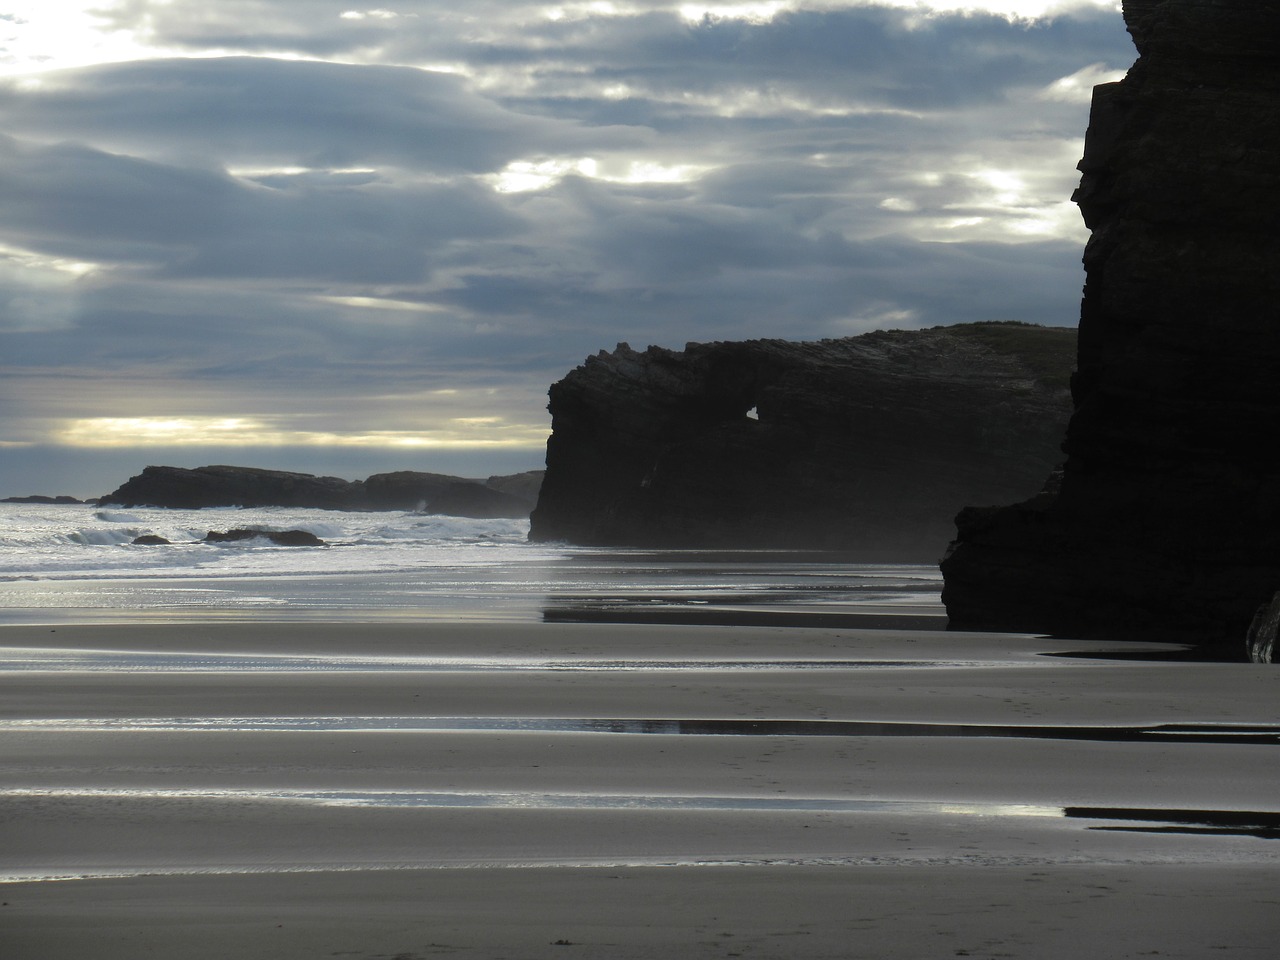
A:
x: 403, y: 788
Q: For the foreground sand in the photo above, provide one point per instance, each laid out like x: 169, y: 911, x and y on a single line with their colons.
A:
x: 393, y: 790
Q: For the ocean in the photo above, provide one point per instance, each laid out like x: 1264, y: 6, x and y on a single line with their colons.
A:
x: 79, y: 561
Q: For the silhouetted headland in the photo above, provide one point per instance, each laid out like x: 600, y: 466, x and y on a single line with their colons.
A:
x: 867, y: 444
x: 227, y: 486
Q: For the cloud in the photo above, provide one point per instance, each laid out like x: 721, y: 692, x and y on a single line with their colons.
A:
x: 840, y: 57
x: 255, y: 431
x: 37, y: 293
x: 236, y: 110
x: 1078, y: 87
x: 78, y: 202
x: 324, y: 242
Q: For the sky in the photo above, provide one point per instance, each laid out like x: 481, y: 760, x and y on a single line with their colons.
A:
x: 318, y: 236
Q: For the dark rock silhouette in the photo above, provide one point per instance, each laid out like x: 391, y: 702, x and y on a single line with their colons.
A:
x: 151, y: 540
x: 478, y: 501
x: 405, y: 490
x: 227, y: 486
x: 1166, y: 518
x: 1261, y: 642
x: 864, y: 444
x: 523, y: 486
x: 41, y: 498
x: 281, y: 538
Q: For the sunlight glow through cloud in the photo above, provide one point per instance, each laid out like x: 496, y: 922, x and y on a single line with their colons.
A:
x: 527, y: 175
x: 648, y: 171
x: 38, y: 292
x: 590, y: 8
x: 1007, y: 187
x: 1078, y: 87
x: 39, y: 35
x: 39, y: 262
x: 368, y: 15
x: 458, y: 432
x: 899, y: 205
x: 524, y: 175
x: 125, y: 431
x: 763, y: 10
x: 379, y: 303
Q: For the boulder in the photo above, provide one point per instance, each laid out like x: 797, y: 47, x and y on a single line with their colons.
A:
x: 1166, y: 517
x: 866, y: 445
x: 282, y: 538
x: 151, y: 540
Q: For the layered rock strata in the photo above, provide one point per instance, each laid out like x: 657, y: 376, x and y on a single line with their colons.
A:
x: 864, y: 444
x: 1166, y: 519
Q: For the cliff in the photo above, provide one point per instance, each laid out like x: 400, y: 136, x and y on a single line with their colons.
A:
x: 227, y: 486
x: 864, y: 444
x: 1166, y: 519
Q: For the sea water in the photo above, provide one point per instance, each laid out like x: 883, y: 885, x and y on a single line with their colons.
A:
x: 69, y: 559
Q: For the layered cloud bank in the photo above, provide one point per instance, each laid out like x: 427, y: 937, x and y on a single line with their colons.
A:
x: 394, y: 227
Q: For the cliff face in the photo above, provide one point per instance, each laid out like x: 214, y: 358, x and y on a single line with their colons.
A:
x: 1166, y: 519
x: 227, y: 486
x: 865, y: 444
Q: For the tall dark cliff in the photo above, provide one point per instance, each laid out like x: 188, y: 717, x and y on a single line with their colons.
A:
x: 1167, y: 518
x: 866, y: 444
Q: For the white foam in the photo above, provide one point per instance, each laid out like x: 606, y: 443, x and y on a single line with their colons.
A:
x: 116, y: 516
x: 395, y: 563
x: 88, y: 542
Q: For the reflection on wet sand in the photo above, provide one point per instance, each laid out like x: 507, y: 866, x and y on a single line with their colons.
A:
x: 170, y: 775
x: 1262, y: 735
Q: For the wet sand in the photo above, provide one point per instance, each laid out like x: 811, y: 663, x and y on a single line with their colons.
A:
x: 521, y: 790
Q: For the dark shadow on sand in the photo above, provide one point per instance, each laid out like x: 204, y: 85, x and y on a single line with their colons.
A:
x: 1241, y: 823
x: 720, y: 617
x: 1237, y: 734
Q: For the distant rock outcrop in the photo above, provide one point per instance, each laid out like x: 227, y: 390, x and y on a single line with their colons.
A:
x: 41, y: 498
x: 226, y: 486
x: 522, y: 486
x: 1167, y: 518
x: 478, y: 501
x: 403, y: 490
x: 865, y: 444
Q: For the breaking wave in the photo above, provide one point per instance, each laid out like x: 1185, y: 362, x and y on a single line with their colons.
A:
x: 38, y: 541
